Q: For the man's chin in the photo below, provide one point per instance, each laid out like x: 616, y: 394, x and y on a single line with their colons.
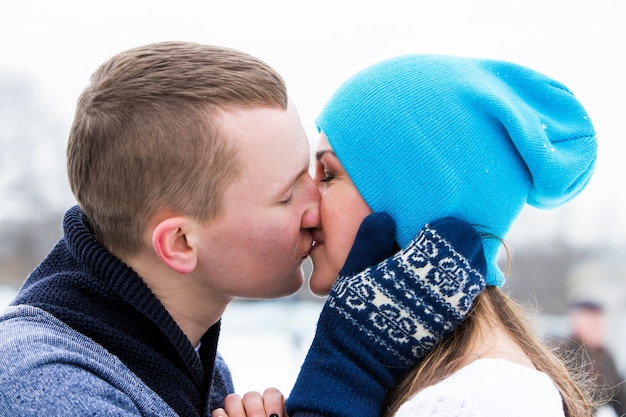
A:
x: 292, y: 285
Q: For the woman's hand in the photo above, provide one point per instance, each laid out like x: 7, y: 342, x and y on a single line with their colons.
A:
x: 379, y: 323
x: 253, y: 404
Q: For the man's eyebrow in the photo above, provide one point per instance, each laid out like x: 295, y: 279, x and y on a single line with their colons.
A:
x: 303, y: 172
x: 320, y: 154
x: 289, y: 185
x: 294, y: 179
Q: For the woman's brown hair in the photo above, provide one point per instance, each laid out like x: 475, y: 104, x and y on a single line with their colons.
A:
x: 451, y: 355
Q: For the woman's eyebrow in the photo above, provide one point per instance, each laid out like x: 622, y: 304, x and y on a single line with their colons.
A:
x: 320, y: 154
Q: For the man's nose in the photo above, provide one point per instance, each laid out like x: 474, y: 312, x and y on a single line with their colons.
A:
x: 311, y: 216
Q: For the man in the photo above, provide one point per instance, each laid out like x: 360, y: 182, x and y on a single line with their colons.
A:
x: 190, y: 167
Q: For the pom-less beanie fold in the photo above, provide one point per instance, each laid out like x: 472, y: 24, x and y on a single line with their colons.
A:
x: 428, y: 136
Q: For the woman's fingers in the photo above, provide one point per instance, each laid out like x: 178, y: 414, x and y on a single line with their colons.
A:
x: 274, y: 403
x: 253, y: 404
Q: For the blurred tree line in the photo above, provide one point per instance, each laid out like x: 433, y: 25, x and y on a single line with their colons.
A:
x: 33, y: 185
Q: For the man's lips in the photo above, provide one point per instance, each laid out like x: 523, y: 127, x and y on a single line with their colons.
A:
x: 310, y: 248
x: 313, y: 243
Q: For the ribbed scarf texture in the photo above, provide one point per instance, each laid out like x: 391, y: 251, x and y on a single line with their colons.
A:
x: 92, y: 291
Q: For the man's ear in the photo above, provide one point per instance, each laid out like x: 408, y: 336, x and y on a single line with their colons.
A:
x: 169, y: 240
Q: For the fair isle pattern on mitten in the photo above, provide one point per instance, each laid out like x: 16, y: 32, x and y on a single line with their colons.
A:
x: 411, y: 301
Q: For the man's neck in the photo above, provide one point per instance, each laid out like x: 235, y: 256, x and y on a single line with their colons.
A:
x: 192, y: 306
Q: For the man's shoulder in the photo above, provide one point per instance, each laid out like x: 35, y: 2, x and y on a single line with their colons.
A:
x: 32, y: 338
x: 46, y: 365
x: 26, y: 323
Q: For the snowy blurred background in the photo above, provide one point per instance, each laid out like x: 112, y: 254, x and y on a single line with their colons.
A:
x: 50, y: 49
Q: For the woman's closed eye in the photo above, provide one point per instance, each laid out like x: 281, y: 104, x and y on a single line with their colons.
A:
x: 328, y: 176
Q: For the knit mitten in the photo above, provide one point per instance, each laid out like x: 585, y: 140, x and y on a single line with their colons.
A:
x: 375, y: 241
x: 379, y: 323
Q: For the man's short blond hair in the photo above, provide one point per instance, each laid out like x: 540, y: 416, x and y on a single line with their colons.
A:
x: 145, y: 137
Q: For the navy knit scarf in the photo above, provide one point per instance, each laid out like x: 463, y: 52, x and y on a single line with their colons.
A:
x: 95, y: 293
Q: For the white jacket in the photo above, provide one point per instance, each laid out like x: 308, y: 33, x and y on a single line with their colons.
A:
x: 488, y: 388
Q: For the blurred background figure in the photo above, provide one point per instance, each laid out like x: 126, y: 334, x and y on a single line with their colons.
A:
x: 591, y: 319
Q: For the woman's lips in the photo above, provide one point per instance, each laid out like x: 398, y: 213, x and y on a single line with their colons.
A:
x: 318, y: 239
x: 316, y: 244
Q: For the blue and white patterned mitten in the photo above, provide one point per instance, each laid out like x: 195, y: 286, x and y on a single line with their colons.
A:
x: 379, y: 323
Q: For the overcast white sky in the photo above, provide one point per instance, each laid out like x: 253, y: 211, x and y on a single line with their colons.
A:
x: 316, y: 45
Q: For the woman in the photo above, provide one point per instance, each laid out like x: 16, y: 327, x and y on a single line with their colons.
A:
x: 424, y: 137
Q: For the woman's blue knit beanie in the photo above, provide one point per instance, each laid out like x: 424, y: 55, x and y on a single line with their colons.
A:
x: 427, y: 136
